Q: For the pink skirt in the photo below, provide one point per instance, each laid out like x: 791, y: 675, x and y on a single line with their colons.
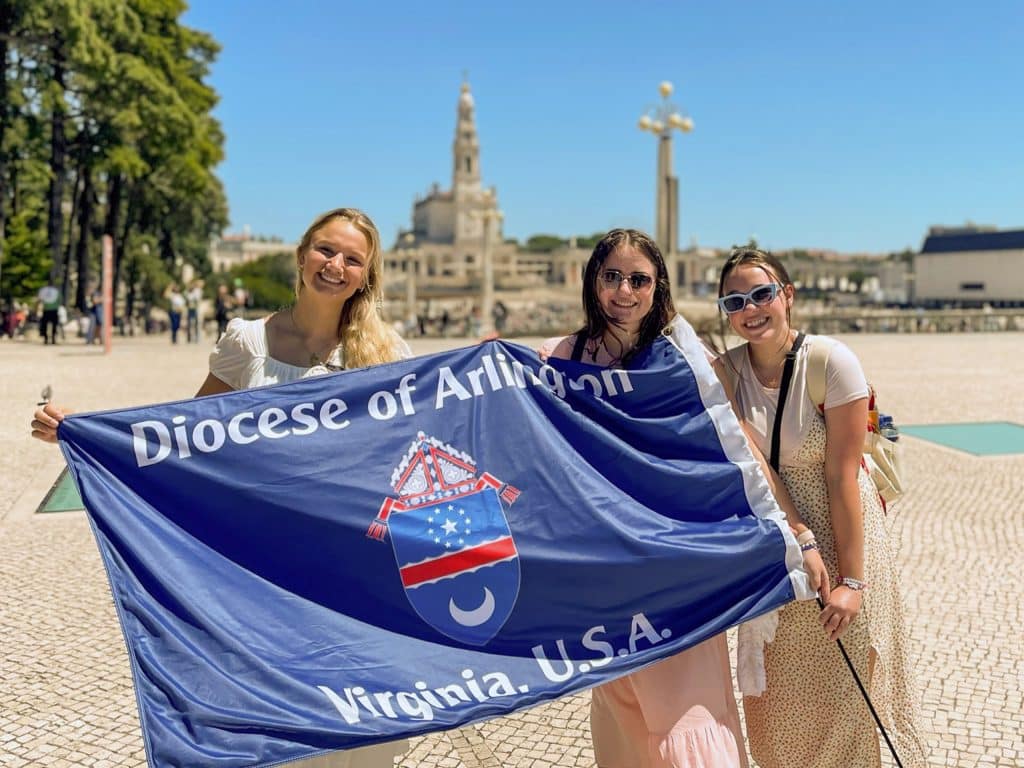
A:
x: 677, y: 713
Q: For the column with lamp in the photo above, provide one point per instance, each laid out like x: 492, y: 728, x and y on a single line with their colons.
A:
x: 661, y: 119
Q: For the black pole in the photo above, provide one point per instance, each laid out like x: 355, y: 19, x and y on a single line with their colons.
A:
x: 867, y: 699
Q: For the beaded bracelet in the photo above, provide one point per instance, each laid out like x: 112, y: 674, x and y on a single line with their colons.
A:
x: 808, y: 546
x: 855, y: 584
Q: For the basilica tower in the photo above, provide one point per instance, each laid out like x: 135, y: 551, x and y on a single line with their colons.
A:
x: 468, y: 195
x: 449, y: 224
x: 466, y: 147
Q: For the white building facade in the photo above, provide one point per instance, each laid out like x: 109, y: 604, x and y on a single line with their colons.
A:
x: 230, y: 251
x: 970, y: 267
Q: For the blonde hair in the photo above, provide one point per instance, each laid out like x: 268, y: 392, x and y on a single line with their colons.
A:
x: 365, y: 339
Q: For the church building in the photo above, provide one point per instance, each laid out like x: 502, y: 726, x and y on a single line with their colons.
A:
x: 450, y: 227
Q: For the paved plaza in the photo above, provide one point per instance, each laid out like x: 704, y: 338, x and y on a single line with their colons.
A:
x: 65, y: 688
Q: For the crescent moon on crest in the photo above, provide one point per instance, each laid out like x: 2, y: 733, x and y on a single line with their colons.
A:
x: 475, y: 617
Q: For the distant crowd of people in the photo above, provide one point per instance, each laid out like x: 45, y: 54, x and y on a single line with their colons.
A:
x: 186, y: 307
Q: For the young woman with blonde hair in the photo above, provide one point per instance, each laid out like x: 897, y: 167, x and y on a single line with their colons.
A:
x: 334, y: 323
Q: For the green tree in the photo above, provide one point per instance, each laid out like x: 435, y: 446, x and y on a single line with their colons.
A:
x: 27, y: 267
x: 857, y: 278
x: 270, y: 280
x: 106, y: 112
x: 589, y: 241
x: 545, y: 243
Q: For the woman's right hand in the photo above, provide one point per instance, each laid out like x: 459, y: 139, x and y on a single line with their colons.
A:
x: 817, y: 573
x: 45, y: 421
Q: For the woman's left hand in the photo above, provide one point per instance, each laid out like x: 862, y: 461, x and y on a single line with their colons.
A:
x: 841, y: 609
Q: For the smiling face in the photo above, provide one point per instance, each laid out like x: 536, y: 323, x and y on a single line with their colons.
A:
x: 622, y: 304
x: 759, y: 323
x: 336, y: 263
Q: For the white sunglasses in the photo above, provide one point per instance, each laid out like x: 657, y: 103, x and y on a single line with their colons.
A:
x: 759, y: 296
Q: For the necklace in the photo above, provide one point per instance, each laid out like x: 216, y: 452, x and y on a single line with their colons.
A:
x: 613, y: 360
x: 770, y: 377
x: 770, y: 381
x: 314, y: 358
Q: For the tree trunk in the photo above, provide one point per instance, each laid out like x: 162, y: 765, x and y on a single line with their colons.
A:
x: 6, y: 29
x: 58, y: 153
x: 65, y: 258
x: 115, y: 183
x: 85, y: 210
x: 133, y: 279
x: 167, y: 252
x: 114, y: 195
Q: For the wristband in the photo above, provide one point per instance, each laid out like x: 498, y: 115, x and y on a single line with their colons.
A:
x: 855, y: 584
x: 806, y: 536
x: 808, y: 546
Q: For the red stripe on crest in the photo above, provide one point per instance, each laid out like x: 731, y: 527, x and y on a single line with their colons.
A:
x: 464, y: 560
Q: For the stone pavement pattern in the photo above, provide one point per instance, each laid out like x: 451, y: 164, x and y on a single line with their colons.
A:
x: 65, y: 686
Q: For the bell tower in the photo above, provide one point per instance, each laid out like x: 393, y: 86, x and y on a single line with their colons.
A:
x: 468, y: 196
x: 466, y: 147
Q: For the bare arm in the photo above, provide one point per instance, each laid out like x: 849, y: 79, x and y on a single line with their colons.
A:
x: 213, y: 386
x: 844, y: 443
x: 844, y: 427
x: 778, y: 488
x: 46, y: 419
x: 561, y: 349
x: 813, y: 564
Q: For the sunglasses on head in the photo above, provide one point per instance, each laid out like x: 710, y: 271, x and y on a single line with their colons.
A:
x: 759, y: 296
x: 638, y: 281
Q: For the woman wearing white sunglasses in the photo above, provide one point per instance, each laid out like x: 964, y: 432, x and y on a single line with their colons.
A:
x: 811, y: 714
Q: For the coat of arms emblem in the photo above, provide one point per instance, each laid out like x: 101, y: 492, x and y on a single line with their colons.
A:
x: 453, y: 547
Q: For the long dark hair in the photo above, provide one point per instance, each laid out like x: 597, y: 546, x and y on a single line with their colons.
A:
x: 663, y: 308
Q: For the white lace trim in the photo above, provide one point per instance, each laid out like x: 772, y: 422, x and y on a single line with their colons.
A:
x: 750, y: 642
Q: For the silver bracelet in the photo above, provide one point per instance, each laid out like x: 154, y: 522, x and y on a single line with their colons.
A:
x: 808, y: 546
x: 855, y: 584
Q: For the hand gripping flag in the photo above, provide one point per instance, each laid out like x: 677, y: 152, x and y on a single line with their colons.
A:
x: 380, y: 553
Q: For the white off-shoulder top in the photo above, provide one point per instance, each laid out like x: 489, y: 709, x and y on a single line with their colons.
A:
x: 241, y: 358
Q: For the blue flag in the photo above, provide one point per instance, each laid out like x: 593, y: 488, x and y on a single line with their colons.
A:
x: 380, y: 553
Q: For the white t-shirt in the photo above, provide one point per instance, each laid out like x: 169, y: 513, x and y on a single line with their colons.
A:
x: 177, y: 301
x: 49, y: 296
x: 241, y: 358
x: 844, y: 383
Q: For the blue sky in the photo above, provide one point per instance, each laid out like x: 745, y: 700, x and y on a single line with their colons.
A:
x: 852, y: 126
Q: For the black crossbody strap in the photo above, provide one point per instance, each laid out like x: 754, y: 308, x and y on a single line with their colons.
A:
x: 787, y: 375
x: 577, y: 347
